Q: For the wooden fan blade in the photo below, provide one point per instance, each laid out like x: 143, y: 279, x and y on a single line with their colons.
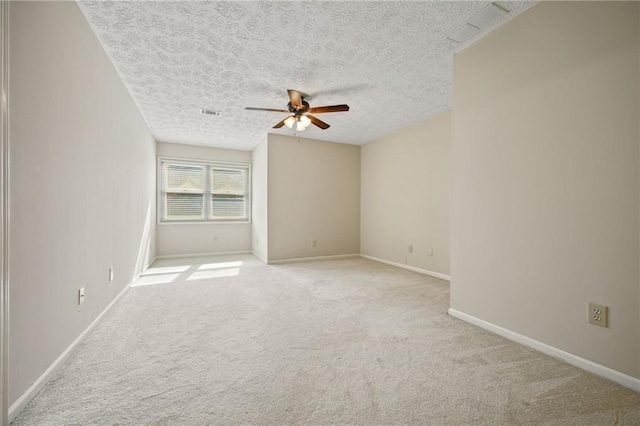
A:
x: 280, y: 124
x: 296, y: 98
x: 266, y: 109
x: 330, y: 108
x: 318, y: 122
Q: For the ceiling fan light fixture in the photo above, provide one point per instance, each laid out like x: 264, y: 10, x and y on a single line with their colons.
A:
x: 289, y: 121
x: 305, y: 120
x: 301, y: 111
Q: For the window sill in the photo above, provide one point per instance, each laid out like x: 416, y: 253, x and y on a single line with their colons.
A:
x: 221, y: 222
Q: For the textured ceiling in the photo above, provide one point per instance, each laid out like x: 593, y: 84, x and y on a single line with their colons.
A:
x: 390, y: 61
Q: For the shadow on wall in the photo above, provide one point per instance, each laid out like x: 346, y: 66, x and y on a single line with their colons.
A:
x: 144, y: 251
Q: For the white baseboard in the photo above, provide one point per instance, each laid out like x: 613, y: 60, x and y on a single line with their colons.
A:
x: 584, y: 364
x: 183, y: 256
x: 137, y: 277
x: 259, y: 257
x: 408, y: 267
x: 33, y: 390
x: 309, y: 259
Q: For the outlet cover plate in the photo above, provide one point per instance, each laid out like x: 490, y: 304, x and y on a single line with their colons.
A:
x: 80, y: 295
x: 598, y: 314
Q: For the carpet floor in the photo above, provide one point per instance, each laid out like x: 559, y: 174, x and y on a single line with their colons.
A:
x: 229, y: 340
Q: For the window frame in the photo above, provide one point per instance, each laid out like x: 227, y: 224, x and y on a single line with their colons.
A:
x: 207, y: 192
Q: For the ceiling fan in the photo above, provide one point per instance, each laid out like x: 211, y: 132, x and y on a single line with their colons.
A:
x: 301, y: 111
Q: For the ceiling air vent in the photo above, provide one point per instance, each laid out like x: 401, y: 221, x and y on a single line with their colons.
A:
x: 210, y: 112
x: 464, y: 33
x: 479, y: 23
x: 488, y: 16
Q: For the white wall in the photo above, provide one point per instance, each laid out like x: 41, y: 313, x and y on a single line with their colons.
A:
x: 259, y: 219
x: 175, y: 239
x: 313, y: 194
x: 82, y: 184
x: 545, y: 191
x: 405, y: 195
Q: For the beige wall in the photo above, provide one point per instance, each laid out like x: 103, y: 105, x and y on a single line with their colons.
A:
x: 314, y: 194
x: 175, y: 239
x: 405, y: 195
x: 545, y: 178
x: 259, y: 219
x: 82, y: 184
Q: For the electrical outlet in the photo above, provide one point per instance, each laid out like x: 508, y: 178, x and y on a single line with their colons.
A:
x: 81, y: 296
x: 314, y: 243
x: 410, y: 248
x: 598, y: 315
x: 111, y: 273
x: 430, y: 252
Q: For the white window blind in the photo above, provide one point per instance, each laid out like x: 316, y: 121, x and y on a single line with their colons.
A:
x: 203, y: 192
x: 184, y: 191
x: 227, y: 193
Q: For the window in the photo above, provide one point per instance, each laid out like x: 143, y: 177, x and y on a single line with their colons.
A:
x: 196, y: 191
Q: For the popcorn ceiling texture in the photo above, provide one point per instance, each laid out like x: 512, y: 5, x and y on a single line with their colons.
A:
x: 390, y: 61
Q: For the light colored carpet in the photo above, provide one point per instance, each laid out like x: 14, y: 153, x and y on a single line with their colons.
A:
x: 351, y: 341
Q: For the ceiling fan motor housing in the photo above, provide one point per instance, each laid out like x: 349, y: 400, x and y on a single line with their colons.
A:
x: 297, y: 111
